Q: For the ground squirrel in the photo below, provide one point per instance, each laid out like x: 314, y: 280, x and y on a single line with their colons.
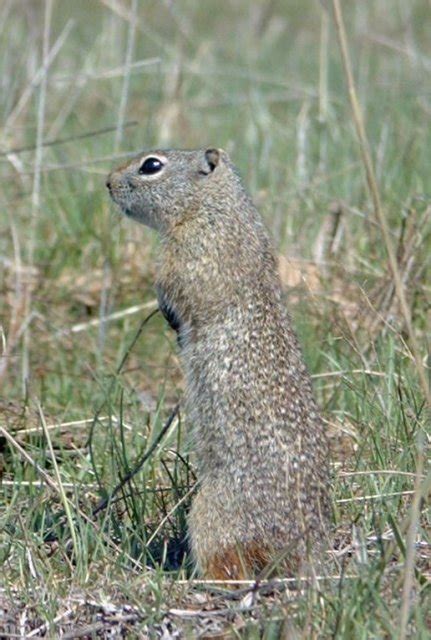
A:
x: 260, y: 445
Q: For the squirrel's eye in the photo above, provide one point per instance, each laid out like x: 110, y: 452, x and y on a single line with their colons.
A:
x: 150, y: 166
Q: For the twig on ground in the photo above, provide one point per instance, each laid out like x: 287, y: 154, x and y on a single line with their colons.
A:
x: 91, y: 629
x: 278, y: 582
x: 48, y: 625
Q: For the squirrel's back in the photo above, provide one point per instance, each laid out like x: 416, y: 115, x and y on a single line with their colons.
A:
x: 260, y: 445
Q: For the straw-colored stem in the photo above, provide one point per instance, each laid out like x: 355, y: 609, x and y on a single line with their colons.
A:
x: 375, y: 196
x: 35, y: 198
x: 61, y: 490
x: 409, y: 565
x: 126, y: 79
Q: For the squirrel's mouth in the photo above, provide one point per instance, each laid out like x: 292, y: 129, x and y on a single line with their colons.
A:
x: 119, y: 201
x: 124, y: 209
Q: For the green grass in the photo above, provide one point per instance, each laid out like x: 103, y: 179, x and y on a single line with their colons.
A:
x: 249, y: 77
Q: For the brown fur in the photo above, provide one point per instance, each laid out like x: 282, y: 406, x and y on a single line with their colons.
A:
x: 238, y: 563
x: 260, y: 445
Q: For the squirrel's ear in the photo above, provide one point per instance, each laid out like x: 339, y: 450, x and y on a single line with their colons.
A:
x: 210, y: 161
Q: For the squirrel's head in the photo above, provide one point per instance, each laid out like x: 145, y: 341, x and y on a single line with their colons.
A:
x: 162, y: 188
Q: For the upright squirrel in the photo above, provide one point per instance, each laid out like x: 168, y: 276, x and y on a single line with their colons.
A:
x: 260, y: 444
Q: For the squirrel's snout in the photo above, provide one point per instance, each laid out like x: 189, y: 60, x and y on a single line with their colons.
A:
x: 108, y: 181
x: 111, y: 180
x: 115, y: 180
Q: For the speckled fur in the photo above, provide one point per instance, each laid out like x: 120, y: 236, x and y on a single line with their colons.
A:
x: 260, y: 445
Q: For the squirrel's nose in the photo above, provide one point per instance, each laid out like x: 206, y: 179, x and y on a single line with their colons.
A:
x: 108, y: 183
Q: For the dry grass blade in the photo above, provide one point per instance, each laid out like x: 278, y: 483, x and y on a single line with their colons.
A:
x: 170, y: 513
x: 374, y: 192
x: 37, y: 633
x: 41, y: 72
x: 50, y: 482
x: 411, y: 547
x: 60, y: 487
x: 276, y: 582
x: 117, y: 315
x: 35, y: 199
x: 421, y: 492
x: 18, y: 320
x: 105, y: 502
x: 15, y: 445
x: 72, y: 138
x: 126, y: 76
x: 375, y: 496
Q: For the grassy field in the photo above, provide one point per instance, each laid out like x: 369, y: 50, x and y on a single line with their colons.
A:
x: 87, y: 383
